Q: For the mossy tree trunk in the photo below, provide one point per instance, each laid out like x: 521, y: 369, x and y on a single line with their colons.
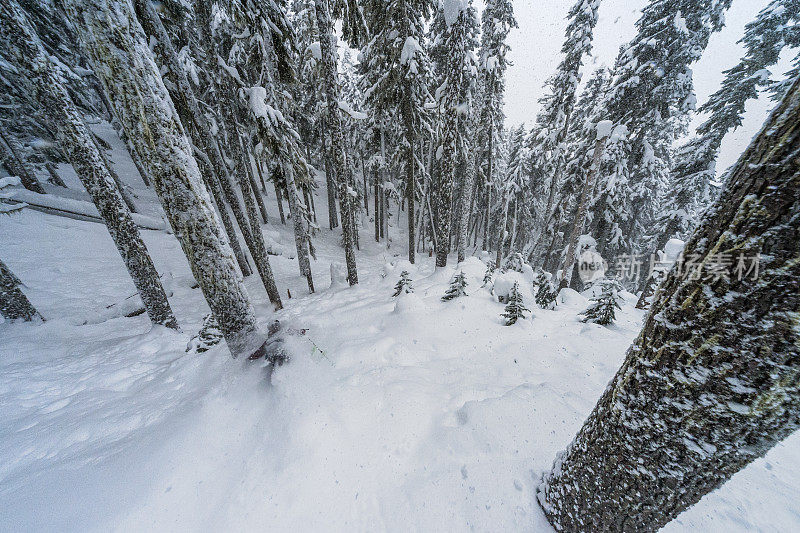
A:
x: 713, y: 380
x: 117, y: 48
x: 84, y: 154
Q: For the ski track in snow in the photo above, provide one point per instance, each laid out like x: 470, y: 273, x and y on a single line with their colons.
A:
x: 423, y: 415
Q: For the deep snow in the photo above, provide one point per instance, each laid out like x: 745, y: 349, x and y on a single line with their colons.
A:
x: 392, y: 415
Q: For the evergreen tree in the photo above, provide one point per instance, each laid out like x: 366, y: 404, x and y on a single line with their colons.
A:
x: 652, y: 96
x: 513, y: 194
x: 340, y: 168
x: 208, y: 336
x: 131, y: 81
x: 603, y: 303
x: 497, y: 20
x: 515, y: 308
x: 404, y: 284
x: 457, y: 287
x: 557, y: 106
x: 81, y: 149
x: 546, y: 293
x: 455, y: 35
x: 689, y: 192
x: 487, y: 276
x: 710, y: 384
x: 396, y: 67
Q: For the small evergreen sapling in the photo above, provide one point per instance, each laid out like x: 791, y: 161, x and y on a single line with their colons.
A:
x: 208, y: 336
x: 456, y: 288
x: 515, y: 308
x: 487, y: 276
x: 403, y: 284
x: 546, y: 294
x: 601, y: 307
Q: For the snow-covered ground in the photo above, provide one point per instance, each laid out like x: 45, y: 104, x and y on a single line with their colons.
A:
x: 392, y: 415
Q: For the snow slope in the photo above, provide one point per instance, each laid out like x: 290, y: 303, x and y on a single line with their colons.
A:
x: 413, y: 415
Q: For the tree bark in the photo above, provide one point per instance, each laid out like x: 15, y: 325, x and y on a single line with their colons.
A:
x: 713, y: 380
x: 14, y: 305
x: 55, y: 179
x: 216, y: 175
x: 580, y: 217
x: 82, y: 150
x: 117, y: 48
x: 11, y: 155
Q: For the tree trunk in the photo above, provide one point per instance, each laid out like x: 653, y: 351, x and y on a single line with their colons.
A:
x: 300, y: 232
x: 330, y: 183
x: 713, y: 380
x: 11, y: 155
x: 14, y: 305
x: 279, y: 198
x: 117, y: 47
x: 341, y: 170
x: 262, y: 208
x: 55, y: 179
x: 84, y: 154
x: 580, y: 217
x: 216, y: 177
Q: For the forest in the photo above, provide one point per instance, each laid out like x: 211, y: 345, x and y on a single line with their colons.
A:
x: 359, y: 291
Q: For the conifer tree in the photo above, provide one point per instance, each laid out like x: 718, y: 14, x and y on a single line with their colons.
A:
x: 603, y: 303
x: 404, y: 284
x: 689, y: 191
x: 455, y: 34
x: 497, y: 20
x: 546, y: 293
x: 117, y: 47
x: 341, y: 165
x: 82, y: 151
x: 515, y: 308
x: 710, y: 384
x: 487, y: 276
x: 396, y: 67
x: 553, y: 121
x: 457, y: 287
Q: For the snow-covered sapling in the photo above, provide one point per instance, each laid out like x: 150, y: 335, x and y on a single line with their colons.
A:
x: 456, y: 288
x: 602, y: 307
x: 403, y: 284
x: 514, y: 262
x: 487, y: 276
x: 515, y: 308
x: 546, y: 293
x: 208, y: 336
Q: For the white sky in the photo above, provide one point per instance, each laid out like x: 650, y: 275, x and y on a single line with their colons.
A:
x: 535, y: 53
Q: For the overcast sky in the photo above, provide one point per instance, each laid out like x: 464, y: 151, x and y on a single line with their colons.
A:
x: 535, y: 52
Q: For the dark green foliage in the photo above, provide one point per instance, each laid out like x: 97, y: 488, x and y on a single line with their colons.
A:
x: 403, y: 284
x: 602, y: 307
x: 546, y: 293
x: 456, y: 289
x: 515, y: 308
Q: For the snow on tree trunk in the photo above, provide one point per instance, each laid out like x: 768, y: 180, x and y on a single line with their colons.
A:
x: 117, y: 48
x: 300, y: 232
x: 339, y: 168
x: 12, y: 156
x: 713, y: 380
x: 330, y: 181
x: 77, y: 142
x: 580, y: 216
x: 14, y: 305
x: 195, y: 122
x: 466, y: 208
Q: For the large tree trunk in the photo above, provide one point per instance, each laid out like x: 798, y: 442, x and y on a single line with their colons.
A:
x: 11, y: 155
x: 14, y: 305
x: 216, y: 175
x: 248, y: 219
x: 117, y: 47
x: 713, y: 380
x: 342, y: 172
x: 82, y: 151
